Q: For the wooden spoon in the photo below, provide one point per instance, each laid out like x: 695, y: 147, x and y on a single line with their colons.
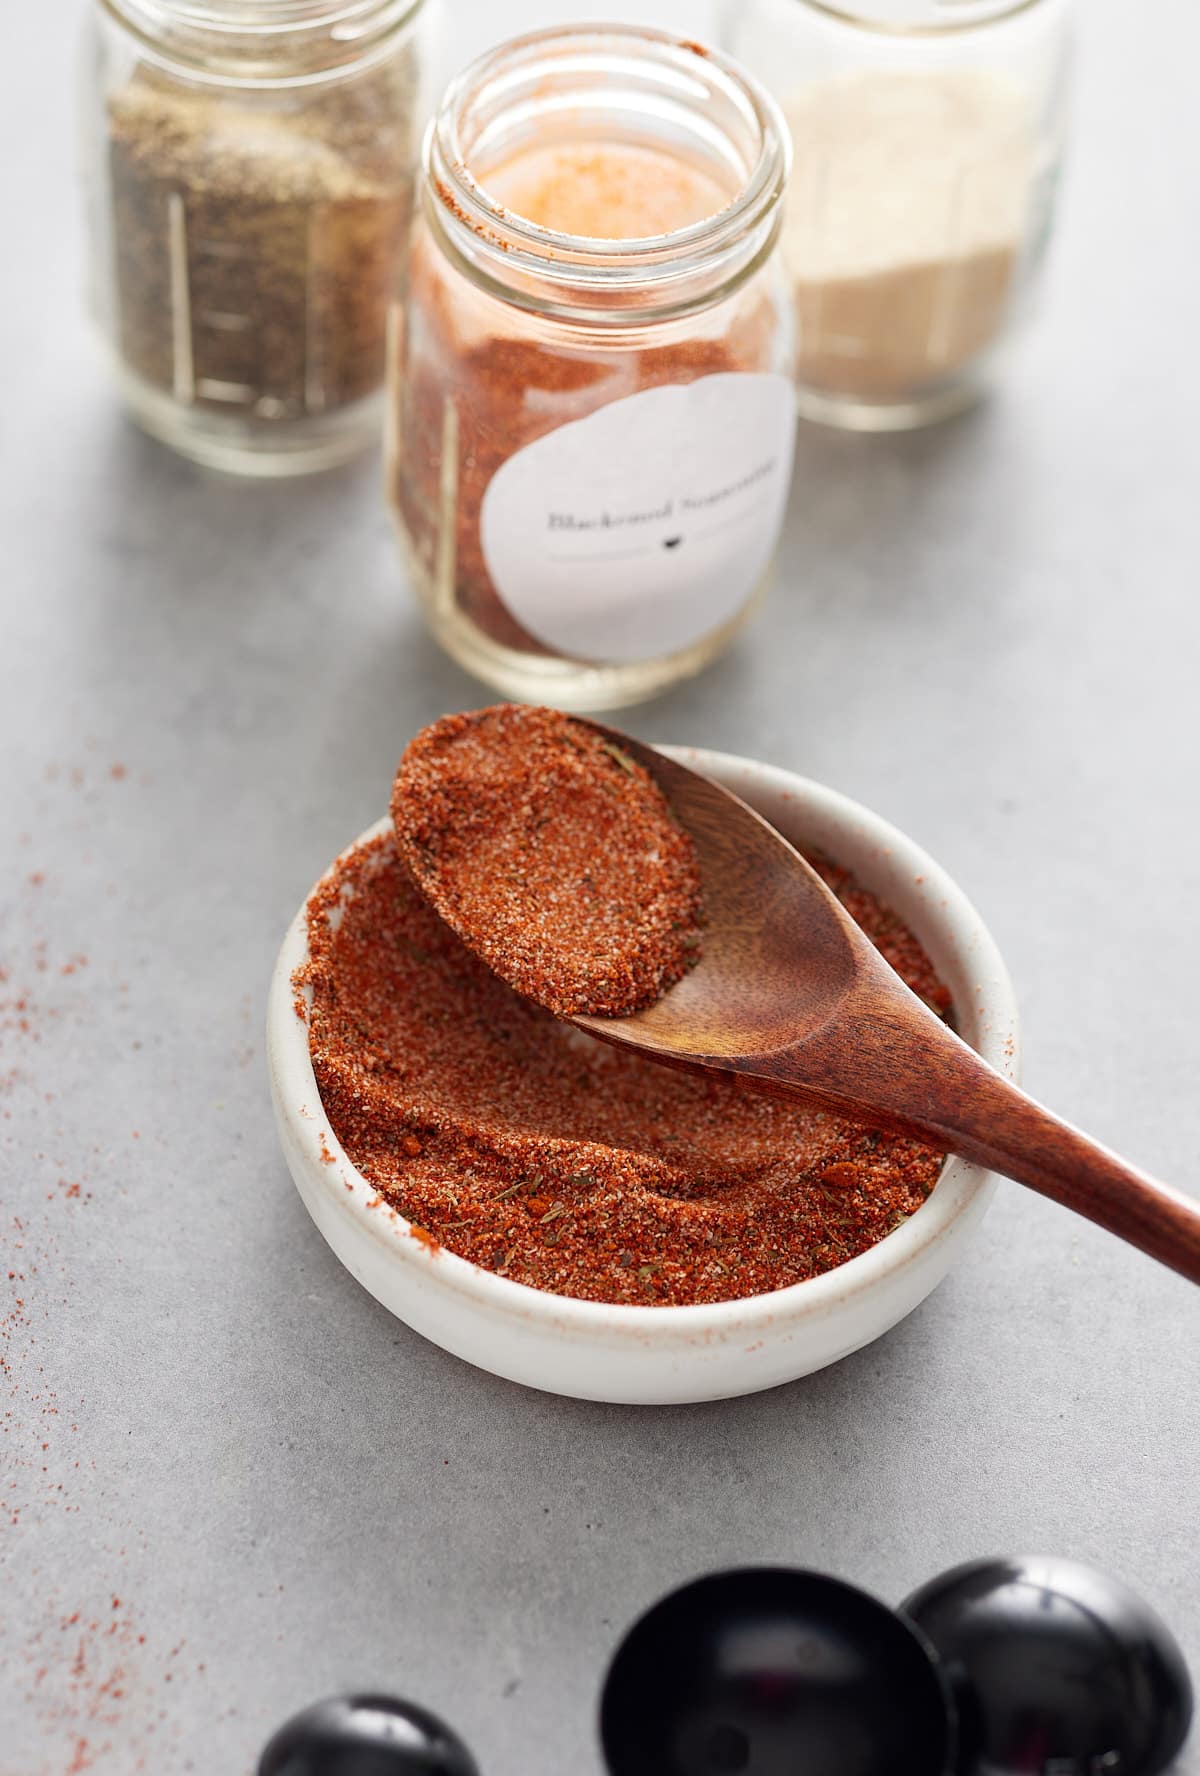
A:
x: 789, y: 993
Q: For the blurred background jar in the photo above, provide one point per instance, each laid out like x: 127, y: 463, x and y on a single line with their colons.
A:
x: 590, y: 402
x: 249, y: 167
x: 927, y: 136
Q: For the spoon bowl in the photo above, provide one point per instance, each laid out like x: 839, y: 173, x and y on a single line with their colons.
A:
x: 774, y: 962
x: 776, y: 1671
x: 1057, y: 1665
x: 366, y: 1736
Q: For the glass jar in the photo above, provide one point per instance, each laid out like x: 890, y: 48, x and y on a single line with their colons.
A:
x: 589, y: 388
x: 928, y: 136
x: 249, y: 168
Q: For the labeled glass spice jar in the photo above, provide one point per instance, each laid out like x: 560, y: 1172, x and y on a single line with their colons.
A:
x: 250, y: 167
x: 928, y: 137
x: 591, y: 416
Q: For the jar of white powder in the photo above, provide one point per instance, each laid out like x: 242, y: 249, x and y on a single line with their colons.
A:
x: 928, y: 136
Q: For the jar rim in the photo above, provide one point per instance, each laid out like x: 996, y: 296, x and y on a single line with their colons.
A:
x: 692, y: 73
x: 960, y: 16
x: 262, y: 42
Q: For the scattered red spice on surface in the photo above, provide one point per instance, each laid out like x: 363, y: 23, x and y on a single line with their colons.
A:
x: 560, y: 1161
x: 553, y: 855
x: 74, y: 1667
x: 80, y: 1673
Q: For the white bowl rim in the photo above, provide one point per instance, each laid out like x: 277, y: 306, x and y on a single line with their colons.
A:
x: 958, y: 1184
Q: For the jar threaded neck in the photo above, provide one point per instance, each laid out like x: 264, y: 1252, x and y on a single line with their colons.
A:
x: 629, y: 85
x: 262, y: 41
x: 920, y: 18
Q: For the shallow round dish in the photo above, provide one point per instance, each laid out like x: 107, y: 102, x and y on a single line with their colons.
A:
x: 660, y: 1355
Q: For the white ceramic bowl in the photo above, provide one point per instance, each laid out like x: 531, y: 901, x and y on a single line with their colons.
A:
x: 596, y: 1351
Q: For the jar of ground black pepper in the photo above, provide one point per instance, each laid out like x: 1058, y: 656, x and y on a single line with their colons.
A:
x: 590, y: 411
x: 250, y: 168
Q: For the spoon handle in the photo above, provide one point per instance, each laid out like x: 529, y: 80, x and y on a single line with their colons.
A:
x: 1015, y: 1135
x: 912, y: 1069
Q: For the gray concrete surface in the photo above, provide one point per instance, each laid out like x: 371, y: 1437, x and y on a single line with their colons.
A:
x: 990, y: 633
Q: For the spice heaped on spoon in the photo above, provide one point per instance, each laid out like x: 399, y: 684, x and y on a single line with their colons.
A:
x: 553, y: 855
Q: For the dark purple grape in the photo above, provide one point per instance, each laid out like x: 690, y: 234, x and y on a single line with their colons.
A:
x: 774, y: 1672
x: 1057, y: 1670
x: 365, y: 1736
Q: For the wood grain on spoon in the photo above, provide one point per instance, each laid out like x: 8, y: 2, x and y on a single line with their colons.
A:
x: 790, y: 994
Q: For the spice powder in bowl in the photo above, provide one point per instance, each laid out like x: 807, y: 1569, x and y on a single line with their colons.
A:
x: 561, y: 1162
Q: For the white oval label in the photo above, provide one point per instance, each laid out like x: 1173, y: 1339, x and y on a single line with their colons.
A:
x: 632, y: 533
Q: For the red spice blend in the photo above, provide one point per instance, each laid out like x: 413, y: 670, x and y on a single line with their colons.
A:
x: 558, y: 1160
x: 477, y: 383
x: 553, y: 855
